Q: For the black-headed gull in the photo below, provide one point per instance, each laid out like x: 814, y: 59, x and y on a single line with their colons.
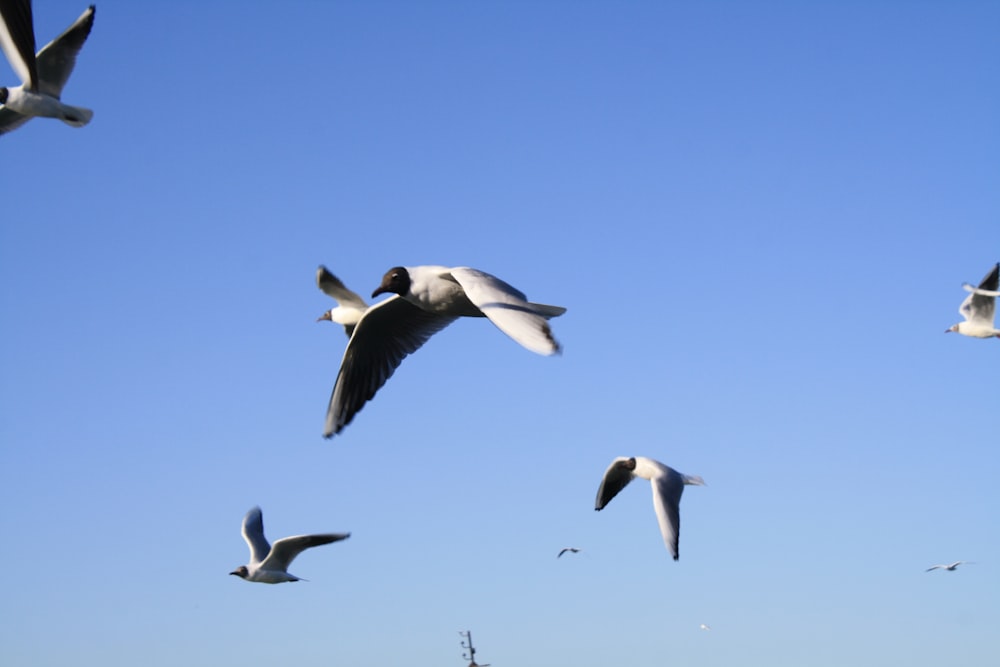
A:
x: 350, y: 307
x: 425, y: 300
x: 979, y: 308
x: 269, y: 563
x: 667, y: 483
x: 572, y: 550
x: 42, y: 75
x: 950, y: 567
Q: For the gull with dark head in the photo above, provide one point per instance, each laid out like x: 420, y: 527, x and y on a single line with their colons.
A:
x: 269, y: 563
x: 42, y: 74
x: 979, y: 308
x: 667, y: 483
x: 426, y: 299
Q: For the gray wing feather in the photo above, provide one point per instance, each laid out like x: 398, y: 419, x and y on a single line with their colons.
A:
x: 253, y: 533
x: 616, y: 478
x: 385, y: 335
x: 982, y: 307
x: 332, y: 286
x: 57, y: 59
x: 509, y: 309
x: 286, y: 549
x: 17, y: 37
x: 667, y: 490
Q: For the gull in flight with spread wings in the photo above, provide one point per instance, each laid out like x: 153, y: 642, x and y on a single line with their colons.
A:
x: 269, y: 563
x: 42, y: 74
x: 667, y: 483
x: 425, y: 300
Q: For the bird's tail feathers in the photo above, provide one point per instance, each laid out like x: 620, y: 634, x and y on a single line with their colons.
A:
x: 76, y: 116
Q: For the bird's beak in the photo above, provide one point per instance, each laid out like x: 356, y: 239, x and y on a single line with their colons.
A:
x: 379, y: 290
x: 947, y: 330
x: 236, y: 572
x: 325, y: 316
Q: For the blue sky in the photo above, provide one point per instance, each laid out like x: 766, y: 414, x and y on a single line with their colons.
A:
x: 759, y: 216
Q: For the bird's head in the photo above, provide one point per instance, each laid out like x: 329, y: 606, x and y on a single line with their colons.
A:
x: 328, y: 316
x: 242, y: 572
x: 630, y: 464
x: 953, y: 327
x: 396, y: 280
x: 3, y: 95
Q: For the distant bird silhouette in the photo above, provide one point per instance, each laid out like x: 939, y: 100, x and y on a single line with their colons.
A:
x: 667, y: 483
x: 951, y: 567
x: 572, y: 550
x: 979, y: 308
x: 269, y: 564
x: 704, y: 627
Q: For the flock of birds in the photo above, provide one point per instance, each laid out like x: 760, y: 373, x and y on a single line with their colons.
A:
x: 424, y: 300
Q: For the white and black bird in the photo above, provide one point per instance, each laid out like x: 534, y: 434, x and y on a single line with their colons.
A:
x: 42, y: 75
x: 269, y: 563
x: 350, y: 307
x: 572, y: 550
x: 979, y: 308
x: 667, y: 483
x: 425, y: 300
x: 950, y: 567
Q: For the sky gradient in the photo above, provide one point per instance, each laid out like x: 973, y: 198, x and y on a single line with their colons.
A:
x: 758, y: 215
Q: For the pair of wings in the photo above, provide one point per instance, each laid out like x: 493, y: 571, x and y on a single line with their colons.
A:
x: 49, y: 69
x: 392, y: 329
x: 279, y: 555
x: 667, y: 489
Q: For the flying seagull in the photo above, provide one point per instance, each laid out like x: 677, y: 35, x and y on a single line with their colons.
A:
x: 703, y: 626
x: 951, y: 567
x: 572, y: 550
x: 425, y: 300
x: 42, y: 75
x: 269, y: 563
x: 667, y: 483
x: 979, y: 308
x: 350, y: 307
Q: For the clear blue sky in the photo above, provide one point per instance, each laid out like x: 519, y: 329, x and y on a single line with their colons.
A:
x: 759, y: 215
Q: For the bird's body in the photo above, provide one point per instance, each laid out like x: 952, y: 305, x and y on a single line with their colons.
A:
x: 979, y: 308
x: 43, y: 75
x: 350, y: 306
x: 425, y: 300
x: 269, y: 563
x: 950, y: 567
x: 667, y: 485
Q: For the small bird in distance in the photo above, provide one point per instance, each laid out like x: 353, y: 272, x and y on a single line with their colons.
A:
x: 572, y: 550
x: 950, y: 567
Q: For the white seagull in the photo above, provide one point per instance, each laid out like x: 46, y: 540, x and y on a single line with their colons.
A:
x: 950, y: 567
x: 425, y: 300
x: 269, y: 563
x: 42, y: 75
x: 350, y: 307
x: 704, y: 626
x: 979, y: 307
x: 667, y: 483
